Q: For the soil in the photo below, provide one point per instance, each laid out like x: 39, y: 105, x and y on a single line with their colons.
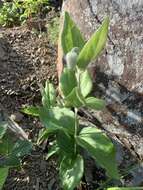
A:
x: 29, y: 59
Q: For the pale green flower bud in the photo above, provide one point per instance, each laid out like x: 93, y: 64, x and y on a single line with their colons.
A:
x: 71, y: 58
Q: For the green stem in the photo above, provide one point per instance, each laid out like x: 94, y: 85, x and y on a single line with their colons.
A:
x: 76, y: 127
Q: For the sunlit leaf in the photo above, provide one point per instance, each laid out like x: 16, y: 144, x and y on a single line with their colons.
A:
x: 94, y: 46
x: 48, y: 95
x: 95, y: 103
x: 100, y: 148
x: 58, y: 119
x: 52, y: 151
x: 32, y: 110
x: 71, y: 172
x: 67, y: 81
x: 70, y: 36
x: 75, y: 98
x: 85, y: 83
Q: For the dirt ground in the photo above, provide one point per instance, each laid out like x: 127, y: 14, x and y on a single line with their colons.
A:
x: 28, y: 60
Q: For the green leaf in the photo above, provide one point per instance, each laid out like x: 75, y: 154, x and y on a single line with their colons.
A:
x: 70, y: 36
x: 21, y: 148
x: 10, y: 161
x: 71, y: 172
x: 58, y: 119
x: 67, y: 81
x: 48, y: 122
x: 48, y: 95
x: 43, y: 135
x: 6, y: 145
x: 32, y: 110
x: 53, y: 150
x: 3, y: 128
x: 75, y: 98
x: 95, y: 103
x: 52, y: 93
x: 100, y: 147
x: 3, y: 176
x: 85, y: 83
x: 66, y: 143
x: 94, y: 46
x: 125, y: 188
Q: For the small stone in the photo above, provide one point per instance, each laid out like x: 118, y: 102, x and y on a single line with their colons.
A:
x: 17, y: 116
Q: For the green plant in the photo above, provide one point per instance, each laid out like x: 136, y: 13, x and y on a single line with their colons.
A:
x: 53, y: 30
x: 33, y: 7
x: 9, y: 14
x: 17, y: 11
x: 59, y: 114
x: 11, y: 152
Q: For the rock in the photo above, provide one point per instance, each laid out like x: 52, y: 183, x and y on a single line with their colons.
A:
x: 124, y: 53
x: 17, y: 116
x: 118, y: 72
x: 13, y: 128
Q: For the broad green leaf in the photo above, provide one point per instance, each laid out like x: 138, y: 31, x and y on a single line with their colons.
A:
x: 32, y: 110
x: 66, y: 143
x: 6, y: 145
x: 100, y: 148
x: 70, y: 36
x: 71, y: 172
x: 21, y: 148
x: 48, y: 122
x: 94, y: 46
x: 53, y: 150
x: 67, y: 81
x: 3, y: 176
x: 3, y: 128
x: 43, y: 135
x: 85, y: 83
x: 75, y: 98
x: 95, y: 103
x: 10, y: 161
x: 58, y: 119
x: 48, y: 95
x: 52, y: 93
x: 125, y: 188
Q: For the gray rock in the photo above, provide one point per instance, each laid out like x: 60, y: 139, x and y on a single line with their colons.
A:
x: 118, y: 72
x: 124, y: 55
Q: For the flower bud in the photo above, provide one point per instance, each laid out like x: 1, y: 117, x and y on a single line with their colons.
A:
x: 71, y: 58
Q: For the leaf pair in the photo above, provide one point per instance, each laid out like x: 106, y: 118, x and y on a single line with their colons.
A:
x: 58, y: 118
x: 71, y: 37
x: 76, y: 88
x: 100, y: 148
x: 48, y: 95
x: 10, y: 151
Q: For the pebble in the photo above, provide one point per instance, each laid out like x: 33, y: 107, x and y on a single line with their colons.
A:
x: 17, y: 117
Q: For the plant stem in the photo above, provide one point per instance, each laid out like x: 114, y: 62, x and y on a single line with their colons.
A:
x: 76, y: 126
